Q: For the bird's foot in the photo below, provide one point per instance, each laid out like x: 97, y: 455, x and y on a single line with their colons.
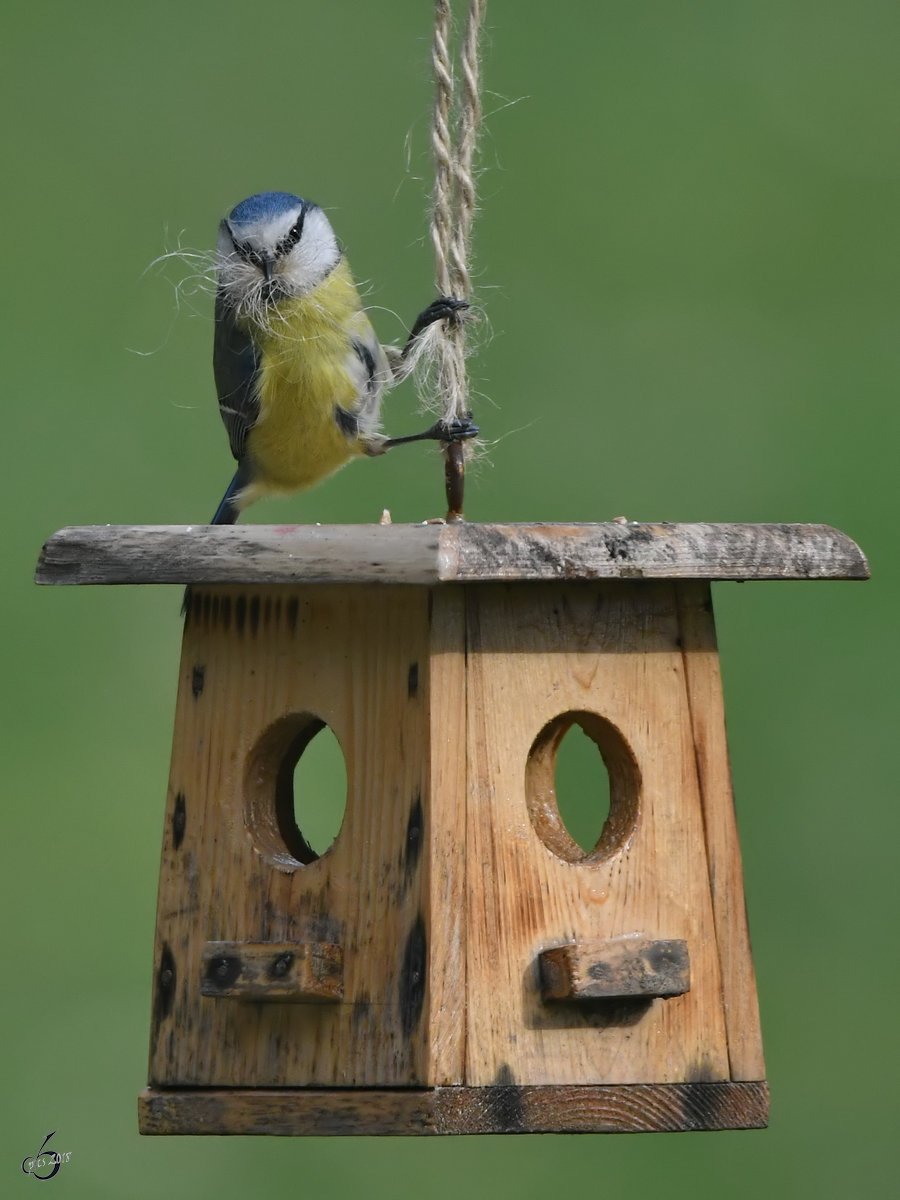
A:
x: 460, y: 429
x: 442, y: 309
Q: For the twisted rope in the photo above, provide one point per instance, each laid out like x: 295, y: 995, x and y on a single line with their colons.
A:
x: 453, y: 208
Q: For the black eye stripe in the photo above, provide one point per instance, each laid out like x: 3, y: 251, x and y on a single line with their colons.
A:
x: 293, y: 236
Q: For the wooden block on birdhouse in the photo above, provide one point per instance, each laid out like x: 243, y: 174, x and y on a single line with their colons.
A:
x: 615, y: 969
x: 310, y: 972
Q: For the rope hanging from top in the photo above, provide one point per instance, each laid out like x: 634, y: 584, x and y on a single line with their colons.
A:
x: 453, y: 208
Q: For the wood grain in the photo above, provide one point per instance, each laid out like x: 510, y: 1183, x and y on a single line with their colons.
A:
x: 431, y: 554
x: 612, y: 650
x: 258, y: 665
x: 704, y: 689
x: 443, y: 863
x: 661, y: 1108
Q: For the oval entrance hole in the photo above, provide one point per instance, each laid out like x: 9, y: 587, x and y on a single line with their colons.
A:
x: 296, y: 790
x: 582, y: 786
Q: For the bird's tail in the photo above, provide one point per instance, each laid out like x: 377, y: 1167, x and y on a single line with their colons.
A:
x: 228, y: 512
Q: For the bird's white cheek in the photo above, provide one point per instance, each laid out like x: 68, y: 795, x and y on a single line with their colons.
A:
x: 294, y: 274
x: 313, y: 258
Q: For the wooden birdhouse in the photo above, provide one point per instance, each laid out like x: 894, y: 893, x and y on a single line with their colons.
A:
x: 455, y: 962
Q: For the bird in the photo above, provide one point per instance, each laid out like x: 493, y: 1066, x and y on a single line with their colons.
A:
x: 299, y: 371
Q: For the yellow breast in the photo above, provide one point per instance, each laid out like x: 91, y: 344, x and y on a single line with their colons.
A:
x: 304, y: 357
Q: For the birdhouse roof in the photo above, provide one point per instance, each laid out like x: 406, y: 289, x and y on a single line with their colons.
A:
x: 431, y: 554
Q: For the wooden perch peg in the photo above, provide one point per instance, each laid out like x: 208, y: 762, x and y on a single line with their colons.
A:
x: 616, y: 969
x: 272, y: 971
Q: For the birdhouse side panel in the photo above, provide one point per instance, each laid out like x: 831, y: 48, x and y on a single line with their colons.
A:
x: 262, y: 669
x: 608, y: 657
x: 704, y: 687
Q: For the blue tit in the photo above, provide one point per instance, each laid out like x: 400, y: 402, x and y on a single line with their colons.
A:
x: 299, y: 371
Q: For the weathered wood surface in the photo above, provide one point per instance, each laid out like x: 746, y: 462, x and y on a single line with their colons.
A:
x: 431, y: 554
x: 435, y: 847
x: 272, y: 971
x: 502, y: 1108
x: 703, y: 681
x: 258, y: 667
x: 610, y: 653
x: 447, y: 880
x: 615, y: 968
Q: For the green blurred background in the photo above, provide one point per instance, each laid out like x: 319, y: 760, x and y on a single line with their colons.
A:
x: 687, y: 251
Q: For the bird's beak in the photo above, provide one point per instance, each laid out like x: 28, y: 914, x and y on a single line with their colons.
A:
x: 268, y: 269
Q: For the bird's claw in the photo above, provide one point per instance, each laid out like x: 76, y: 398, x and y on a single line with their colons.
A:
x: 443, y: 307
x: 438, y: 310
x: 460, y: 429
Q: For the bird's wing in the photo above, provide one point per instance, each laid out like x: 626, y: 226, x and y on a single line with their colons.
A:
x: 370, y: 372
x: 236, y: 369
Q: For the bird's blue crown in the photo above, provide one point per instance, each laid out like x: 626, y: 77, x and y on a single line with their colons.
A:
x: 265, y: 206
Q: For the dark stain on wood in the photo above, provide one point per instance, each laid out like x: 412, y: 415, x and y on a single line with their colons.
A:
x: 198, y: 678
x: 412, y: 680
x: 411, y: 990
x: 293, y: 611
x: 703, y: 1105
x: 254, y: 614
x: 164, y: 992
x: 281, y: 966
x: 322, y: 927
x: 226, y: 613
x: 179, y: 820
x: 504, y: 1104
x: 621, y: 543
x: 240, y: 613
x: 415, y: 831
x: 223, y: 970
x: 701, y: 1072
x: 361, y: 1009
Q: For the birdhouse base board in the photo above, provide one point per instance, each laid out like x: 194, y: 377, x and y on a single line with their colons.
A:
x: 502, y: 1108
